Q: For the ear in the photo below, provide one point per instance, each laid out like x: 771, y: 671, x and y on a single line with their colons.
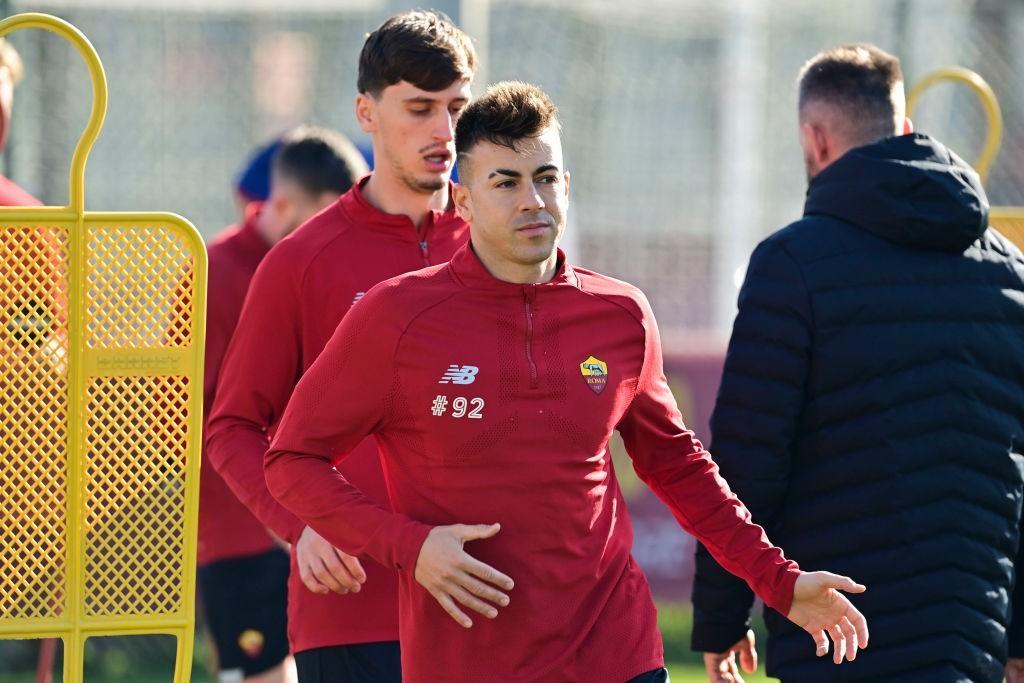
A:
x: 567, y: 179
x: 463, y: 202
x: 366, y: 112
x: 816, y: 143
x: 908, y: 126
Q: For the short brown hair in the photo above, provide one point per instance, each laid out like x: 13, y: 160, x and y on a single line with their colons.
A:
x: 509, y: 111
x: 423, y: 48
x: 319, y: 160
x: 858, y: 80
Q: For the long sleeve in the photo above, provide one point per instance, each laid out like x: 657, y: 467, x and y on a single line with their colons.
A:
x: 669, y: 458
x: 1015, y: 634
x: 258, y: 373
x: 340, y: 401
x: 754, y: 424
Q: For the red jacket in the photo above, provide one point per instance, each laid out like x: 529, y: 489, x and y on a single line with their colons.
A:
x: 226, y: 527
x: 303, y: 288
x: 495, y: 402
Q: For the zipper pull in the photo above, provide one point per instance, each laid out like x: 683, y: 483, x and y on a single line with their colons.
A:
x: 426, y: 252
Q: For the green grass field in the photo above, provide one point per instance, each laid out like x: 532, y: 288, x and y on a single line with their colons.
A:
x: 130, y: 663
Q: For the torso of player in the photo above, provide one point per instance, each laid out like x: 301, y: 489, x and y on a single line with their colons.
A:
x: 505, y: 403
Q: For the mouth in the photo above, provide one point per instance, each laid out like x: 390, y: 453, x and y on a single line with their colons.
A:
x: 533, y: 229
x: 438, y: 161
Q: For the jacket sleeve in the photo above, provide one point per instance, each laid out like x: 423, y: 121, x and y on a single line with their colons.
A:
x: 670, y: 459
x: 754, y: 424
x: 341, y: 400
x: 1015, y: 634
x: 259, y: 370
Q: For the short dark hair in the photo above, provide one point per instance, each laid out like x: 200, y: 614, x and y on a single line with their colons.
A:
x: 858, y: 80
x: 319, y: 160
x: 508, y: 112
x: 423, y: 48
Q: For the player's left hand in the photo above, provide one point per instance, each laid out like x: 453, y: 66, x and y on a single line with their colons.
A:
x: 819, y: 608
x: 1015, y: 670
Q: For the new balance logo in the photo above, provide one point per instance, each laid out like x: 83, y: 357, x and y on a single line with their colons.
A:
x: 459, y: 375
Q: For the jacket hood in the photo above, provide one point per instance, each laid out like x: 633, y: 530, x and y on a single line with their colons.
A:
x: 910, y: 189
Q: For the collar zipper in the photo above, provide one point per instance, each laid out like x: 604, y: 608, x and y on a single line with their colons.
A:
x: 528, y: 296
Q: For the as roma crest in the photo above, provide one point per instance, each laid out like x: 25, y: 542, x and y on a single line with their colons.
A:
x: 595, y: 374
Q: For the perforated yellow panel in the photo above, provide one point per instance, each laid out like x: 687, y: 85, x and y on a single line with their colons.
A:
x: 34, y: 406
x: 101, y: 354
x: 1009, y: 220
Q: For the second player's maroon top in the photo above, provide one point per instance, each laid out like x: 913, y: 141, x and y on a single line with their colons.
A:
x: 495, y: 402
x: 303, y: 288
x: 226, y: 527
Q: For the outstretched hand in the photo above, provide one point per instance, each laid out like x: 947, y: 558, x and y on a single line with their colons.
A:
x: 819, y: 608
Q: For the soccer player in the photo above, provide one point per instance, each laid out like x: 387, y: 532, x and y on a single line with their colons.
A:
x: 493, y: 384
x: 414, y: 80
x: 243, y: 574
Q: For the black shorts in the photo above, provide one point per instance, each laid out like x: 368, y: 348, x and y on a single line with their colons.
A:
x: 361, y: 663
x: 655, y: 676
x: 245, y: 601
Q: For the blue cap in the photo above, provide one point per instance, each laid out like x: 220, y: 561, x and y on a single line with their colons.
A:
x: 254, y: 180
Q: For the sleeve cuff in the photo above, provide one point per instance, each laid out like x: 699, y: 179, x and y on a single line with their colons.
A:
x: 781, y: 599
x: 410, y: 542
x: 716, y: 637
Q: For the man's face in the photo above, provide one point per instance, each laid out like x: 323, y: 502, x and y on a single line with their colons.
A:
x: 289, y: 206
x: 414, y: 132
x: 515, y: 200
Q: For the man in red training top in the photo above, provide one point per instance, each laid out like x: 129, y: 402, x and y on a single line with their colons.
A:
x: 493, y: 384
x: 414, y: 80
x: 243, y: 575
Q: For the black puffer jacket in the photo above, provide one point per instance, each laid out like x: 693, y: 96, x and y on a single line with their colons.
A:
x: 871, y: 415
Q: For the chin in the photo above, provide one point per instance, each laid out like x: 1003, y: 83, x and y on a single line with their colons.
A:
x: 429, y: 184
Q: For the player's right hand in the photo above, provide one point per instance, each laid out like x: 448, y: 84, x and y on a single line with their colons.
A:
x: 453, y: 576
x: 721, y: 668
x: 324, y: 568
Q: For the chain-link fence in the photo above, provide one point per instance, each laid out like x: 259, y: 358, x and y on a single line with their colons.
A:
x: 679, y: 114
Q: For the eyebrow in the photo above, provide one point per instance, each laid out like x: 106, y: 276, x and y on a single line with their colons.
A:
x: 516, y: 174
x: 423, y: 99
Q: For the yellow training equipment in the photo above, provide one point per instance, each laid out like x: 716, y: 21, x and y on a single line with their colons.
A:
x: 101, y: 358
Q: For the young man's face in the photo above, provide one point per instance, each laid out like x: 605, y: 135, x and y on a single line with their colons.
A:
x: 414, y: 131
x: 289, y: 206
x: 515, y: 200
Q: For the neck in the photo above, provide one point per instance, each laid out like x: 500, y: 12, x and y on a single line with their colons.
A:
x: 518, y: 273
x: 386, y: 192
x: 265, y: 230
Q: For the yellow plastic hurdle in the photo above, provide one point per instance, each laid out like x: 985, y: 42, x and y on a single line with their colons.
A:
x: 1009, y: 220
x: 101, y: 358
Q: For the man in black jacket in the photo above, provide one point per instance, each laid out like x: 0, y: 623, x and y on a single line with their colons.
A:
x: 871, y: 413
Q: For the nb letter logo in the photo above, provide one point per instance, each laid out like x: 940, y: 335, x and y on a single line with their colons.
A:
x: 456, y: 374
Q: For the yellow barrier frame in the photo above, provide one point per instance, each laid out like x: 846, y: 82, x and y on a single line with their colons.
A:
x: 153, y: 414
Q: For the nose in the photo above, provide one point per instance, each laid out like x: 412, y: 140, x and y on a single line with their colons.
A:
x: 444, y: 126
x: 532, y: 200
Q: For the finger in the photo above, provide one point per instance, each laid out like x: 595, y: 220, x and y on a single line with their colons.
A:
x: 476, y: 532
x: 325, y: 576
x: 353, y: 565
x: 838, y: 644
x: 486, y: 573
x: 452, y: 609
x: 332, y: 560
x: 306, y: 574
x: 861, y: 624
x: 843, y: 583
x: 748, y: 657
x: 711, y: 664
x: 821, y: 643
x: 732, y: 674
x: 850, y: 635
x: 471, y: 601
x: 482, y: 590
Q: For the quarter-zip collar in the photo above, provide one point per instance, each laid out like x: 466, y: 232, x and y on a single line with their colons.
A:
x: 359, y: 211
x: 468, y: 270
